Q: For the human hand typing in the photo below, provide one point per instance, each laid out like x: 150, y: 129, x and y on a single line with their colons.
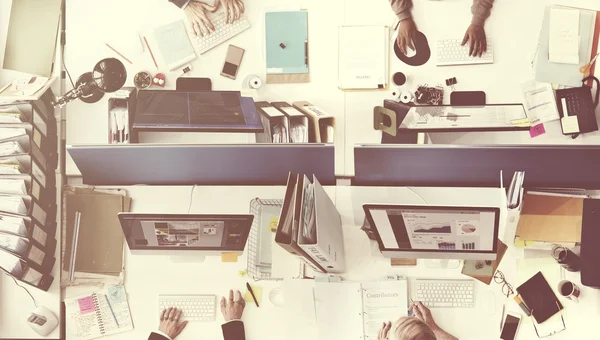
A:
x: 475, y: 35
x: 169, y: 322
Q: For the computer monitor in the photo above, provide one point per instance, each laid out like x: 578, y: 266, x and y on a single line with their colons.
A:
x: 435, y: 232
x: 187, y: 235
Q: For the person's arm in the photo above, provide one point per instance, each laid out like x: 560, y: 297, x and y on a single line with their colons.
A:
x: 402, y: 8
x: 158, y: 335
x: 481, y: 10
x: 234, y: 330
x: 180, y: 3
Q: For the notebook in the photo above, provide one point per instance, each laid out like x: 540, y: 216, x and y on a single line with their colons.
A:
x: 100, y: 314
x: 361, y: 308
x: 286, y: 35
x: 174, y: 46
x: 363, y: 57
x: 539, y: 298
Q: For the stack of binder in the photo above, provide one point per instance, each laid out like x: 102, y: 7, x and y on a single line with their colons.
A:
x: 310, y: 227
x: 28, y: 161
x: 300, y: 122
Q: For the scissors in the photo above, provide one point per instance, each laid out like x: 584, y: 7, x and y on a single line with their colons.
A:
x: 585, y: 69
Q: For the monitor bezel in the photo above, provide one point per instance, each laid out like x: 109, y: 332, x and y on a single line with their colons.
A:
x: 123, y: 217
x: 367, y: 209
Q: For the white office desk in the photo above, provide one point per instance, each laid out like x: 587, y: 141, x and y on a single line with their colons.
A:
x: 513, y: 27
x: 88, y: 123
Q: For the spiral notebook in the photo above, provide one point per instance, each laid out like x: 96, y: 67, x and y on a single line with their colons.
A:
x: 361, y: 308
x: 97, y: 315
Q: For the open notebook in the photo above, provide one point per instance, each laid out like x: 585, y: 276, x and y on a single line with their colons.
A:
x: 100, y: 314
x: 360, y: 308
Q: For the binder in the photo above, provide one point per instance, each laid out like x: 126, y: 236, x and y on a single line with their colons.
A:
x: 33, y: 187
x: 320, y: 233
x: 322, y: 125
x: 29, y: 163
x: 47, y: 144
x: 275, y: 124
x: 26, y: 249
x: 38, y: 113
x: 24, y: 271
x: 26, y: 227
x: 297, y: 122
x: 287, y: 228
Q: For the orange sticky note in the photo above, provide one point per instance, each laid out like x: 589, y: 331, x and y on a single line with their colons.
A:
x: 229, y: 257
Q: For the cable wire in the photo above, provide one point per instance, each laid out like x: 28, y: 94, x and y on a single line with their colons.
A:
x: 31, y: 296
x: 65, y: 66
x: 421, y: 197
x: 191, y: 199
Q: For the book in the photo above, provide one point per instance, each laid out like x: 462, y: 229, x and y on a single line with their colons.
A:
x: 539, y: 298
x: 361, y: 308
x: 100, y: 314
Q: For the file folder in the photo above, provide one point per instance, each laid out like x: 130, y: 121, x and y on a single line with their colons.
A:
x: 37, y: 113
x: 275, y: 124
x: 27, y: 250
x: 297, y: 122
x: 25, y: 227
x: 322, y: 124
x: 24, y: 271
x: 287, y: 46
x: 287, y: 228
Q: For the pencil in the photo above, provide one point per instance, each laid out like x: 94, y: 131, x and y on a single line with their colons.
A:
x: 151, y: 54
x: 117, y: 52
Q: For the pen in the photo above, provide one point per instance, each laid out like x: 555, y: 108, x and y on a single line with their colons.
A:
x: 252, y: 293
x: 117, y: 52
x: 502, y: 317
x: 150, y: 50
x: 111, y: 310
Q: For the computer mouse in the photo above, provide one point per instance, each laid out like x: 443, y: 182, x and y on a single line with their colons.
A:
x: 42, y: 321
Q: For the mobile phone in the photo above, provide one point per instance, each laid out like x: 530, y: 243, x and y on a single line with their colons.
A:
x: 510, y: 327
x: 189, y: 84
x: 233, y: 59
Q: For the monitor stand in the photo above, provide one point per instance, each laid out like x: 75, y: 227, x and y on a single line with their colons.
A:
x: 188, y: 259
x: 442, y: 264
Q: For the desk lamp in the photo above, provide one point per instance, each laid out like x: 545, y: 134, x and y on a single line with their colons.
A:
x: 108, y: 75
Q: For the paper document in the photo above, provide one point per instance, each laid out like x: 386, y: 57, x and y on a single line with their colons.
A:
x: 363, y: 57
x: 10, y: 148
x: 539, y: 101
x: 445, y: 117
x: 382, y: 302
x: 13, y: 187
x: 13, y: 205
x: 24, y: 87
x: 564, y: 36
x: 174, y: 44
x: 6, y: 133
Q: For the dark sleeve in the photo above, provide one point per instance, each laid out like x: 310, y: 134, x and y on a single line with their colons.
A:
x: 156, y: 336
x: 481, y: 10
x: 179, y: 3
x: 233, y: 330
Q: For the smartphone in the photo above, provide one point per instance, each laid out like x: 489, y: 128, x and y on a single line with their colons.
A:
x: 233, y: 59
x: 510, y: 327
x: 465, y: 98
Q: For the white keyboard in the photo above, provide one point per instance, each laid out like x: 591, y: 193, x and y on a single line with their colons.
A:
x: 195, y: 307
x: 450, y: 52
x: 222, y: 33
x: 444, y: 293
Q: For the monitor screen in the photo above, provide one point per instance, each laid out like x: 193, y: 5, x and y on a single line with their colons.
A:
x: 186, y: 232
x: 435, y: 229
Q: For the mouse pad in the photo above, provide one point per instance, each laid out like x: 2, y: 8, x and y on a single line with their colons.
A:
x: 422, y: 51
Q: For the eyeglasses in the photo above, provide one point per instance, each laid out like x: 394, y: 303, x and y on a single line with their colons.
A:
x: 555, y: 332
x: 507, y: 289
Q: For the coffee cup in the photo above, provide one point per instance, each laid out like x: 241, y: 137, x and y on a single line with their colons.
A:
x: 569, y: 290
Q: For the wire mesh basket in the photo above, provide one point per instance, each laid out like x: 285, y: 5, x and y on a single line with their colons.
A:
x: 257, y: 207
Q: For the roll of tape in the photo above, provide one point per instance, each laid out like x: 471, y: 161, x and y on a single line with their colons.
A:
x: 396, y: 93
x: 406, y: 97
x: 253, y: 82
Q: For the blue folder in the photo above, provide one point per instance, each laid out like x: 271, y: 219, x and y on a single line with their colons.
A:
x: 287, y: 42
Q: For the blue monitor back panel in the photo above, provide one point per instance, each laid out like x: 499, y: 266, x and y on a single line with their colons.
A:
x: 235, y: 164
x: 477, y: 166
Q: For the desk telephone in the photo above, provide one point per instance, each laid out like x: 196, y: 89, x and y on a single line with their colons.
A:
x: 577, y: 108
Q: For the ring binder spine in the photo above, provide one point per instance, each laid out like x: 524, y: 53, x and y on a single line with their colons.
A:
x: 98, y: 314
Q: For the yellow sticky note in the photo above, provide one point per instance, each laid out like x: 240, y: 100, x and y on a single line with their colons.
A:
x: 273, y: 224
x: 257, y: 292
x: 519, y: 243
x: 524, y: 122
x: 229, y: 257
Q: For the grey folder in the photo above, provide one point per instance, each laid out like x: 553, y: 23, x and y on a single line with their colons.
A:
x: 31, y: 38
